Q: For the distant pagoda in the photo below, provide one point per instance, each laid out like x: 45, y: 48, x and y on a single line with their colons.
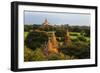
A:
x: 67, y: 38
x: 45, y: 23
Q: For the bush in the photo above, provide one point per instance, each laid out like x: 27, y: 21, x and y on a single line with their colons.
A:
x: 54, y: 56
x: 79, y: 50
x: 27, y: 54
x: 84, y: 53
x: 82, y: 38
x: 60, y: 33
x: 75, y: 40
x: 27, y: 28
x: 74, y: 34
x: 38, y: 55
x: 70, y: 50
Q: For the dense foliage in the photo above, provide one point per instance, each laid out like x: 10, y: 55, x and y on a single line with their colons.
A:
x: 36, y: 39
x: 36, y: 36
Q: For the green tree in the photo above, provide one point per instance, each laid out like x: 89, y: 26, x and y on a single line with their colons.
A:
x: 82, y: 38
x: 27, y: 54
x: 54, y: 56
x: 79, y: 50
x: 38, y: 55
x: 60, y: 33
x: 28, y: 28
x: 36, y: 39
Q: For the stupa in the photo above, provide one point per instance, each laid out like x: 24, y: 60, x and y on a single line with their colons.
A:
x: 45, y: 23
x: 67, y: 38
x: 51, y: 46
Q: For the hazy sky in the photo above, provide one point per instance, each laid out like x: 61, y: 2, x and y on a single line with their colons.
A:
x: 31, y: 17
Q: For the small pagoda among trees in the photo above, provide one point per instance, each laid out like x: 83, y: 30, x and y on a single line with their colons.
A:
x: 67, y: 37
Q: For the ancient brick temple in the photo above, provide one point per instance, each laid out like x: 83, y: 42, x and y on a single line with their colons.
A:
x: 52, y: 44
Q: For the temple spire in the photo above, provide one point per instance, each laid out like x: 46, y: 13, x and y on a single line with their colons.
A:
x: 67, y: 37
x: 51, y: 46
x: 45, y: 23
x: 54, y: 40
